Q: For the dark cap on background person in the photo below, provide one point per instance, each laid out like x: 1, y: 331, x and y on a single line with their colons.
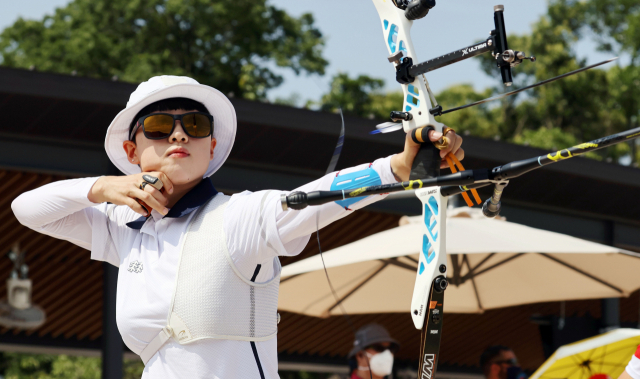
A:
x: 371, y: 334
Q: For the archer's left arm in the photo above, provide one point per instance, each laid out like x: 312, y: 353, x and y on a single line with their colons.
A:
x: 258, y: 229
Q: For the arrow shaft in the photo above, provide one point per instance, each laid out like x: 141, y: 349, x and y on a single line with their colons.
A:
x: 494, y: 98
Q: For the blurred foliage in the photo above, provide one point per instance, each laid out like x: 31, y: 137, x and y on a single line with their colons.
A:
x: 229, y: 45
x: 41, y: 366
x: 360, y: 96
x: 579, y: 108
x: 480, y: 121
x: 615, y: 24
x: 45, y: 366
x: 132, y: 369
x: 293, y: 100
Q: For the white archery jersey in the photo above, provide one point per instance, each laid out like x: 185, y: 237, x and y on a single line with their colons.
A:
x: 256, y: 231
x: 211, y: 299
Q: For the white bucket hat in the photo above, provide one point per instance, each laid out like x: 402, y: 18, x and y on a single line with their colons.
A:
x: 165, y: 87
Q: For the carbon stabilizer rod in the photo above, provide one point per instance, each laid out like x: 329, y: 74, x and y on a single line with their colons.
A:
x: 300, y: 200
x: 517, y: 168
x: 461, y: 181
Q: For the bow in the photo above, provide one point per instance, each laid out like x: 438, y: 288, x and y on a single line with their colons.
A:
x: 418, y: 114
x: 435, y: 190
x: 419, y: 111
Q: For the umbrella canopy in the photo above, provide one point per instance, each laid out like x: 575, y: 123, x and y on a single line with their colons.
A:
x: 491, y: 264
x: 606, y: 354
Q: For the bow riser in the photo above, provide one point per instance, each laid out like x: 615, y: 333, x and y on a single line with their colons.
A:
x: 396, y: 29
x: 433, y: 258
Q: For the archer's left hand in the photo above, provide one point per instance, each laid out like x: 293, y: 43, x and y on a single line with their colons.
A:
x: 401, y: 163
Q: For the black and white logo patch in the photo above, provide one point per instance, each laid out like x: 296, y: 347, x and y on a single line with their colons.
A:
x: 135, y: 267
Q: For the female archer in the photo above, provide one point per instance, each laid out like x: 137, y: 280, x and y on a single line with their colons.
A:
x: 198, y: 271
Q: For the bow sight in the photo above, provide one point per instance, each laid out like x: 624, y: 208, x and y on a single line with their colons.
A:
x: 407, y: 71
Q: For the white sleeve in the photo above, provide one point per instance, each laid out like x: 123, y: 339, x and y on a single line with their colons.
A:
x: 258, y: 230
x: 250, y: 230
x: 62, y: 210
x: 633, y: 368
x: 295, y: 225
x: 58, y: 209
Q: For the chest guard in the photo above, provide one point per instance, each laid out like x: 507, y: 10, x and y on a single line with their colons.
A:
x: 211, y: 298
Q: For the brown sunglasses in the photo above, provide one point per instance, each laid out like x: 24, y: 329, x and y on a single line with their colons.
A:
x: 161, y: 125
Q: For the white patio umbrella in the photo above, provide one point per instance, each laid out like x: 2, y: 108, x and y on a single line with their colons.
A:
x: 491, y: 264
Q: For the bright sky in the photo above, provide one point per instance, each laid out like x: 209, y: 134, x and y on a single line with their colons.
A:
x: 355, y: 44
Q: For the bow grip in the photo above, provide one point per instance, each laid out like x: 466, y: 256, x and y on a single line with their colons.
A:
x: 426, y: 164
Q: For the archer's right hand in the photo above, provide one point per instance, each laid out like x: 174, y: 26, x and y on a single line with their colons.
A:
x: 125, y: 190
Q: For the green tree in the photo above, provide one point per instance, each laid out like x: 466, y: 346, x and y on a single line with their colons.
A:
x: 578, y: 108
x: 615, y: 25
x: 40, y: 366
x: 479, y: 121
x: 361, y: 96
x: 228, y: 45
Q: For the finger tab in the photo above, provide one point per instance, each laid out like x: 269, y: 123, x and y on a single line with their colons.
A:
x: 443, y: 143
x: 152, y: 181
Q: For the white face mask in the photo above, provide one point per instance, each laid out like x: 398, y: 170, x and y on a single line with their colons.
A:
x: 381, y: 364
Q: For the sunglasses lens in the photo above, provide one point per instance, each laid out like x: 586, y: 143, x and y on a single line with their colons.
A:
x: 158, y: 126
x: 197, y: 125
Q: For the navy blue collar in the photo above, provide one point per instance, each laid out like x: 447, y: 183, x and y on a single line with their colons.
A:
x: 195, y: 198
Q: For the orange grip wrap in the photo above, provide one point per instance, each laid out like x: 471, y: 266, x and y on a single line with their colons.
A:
x: 453, y: 170
x: 453, y: 161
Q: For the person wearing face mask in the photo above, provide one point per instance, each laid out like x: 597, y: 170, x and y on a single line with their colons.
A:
x: 372, y: 353
x: 500, y: 362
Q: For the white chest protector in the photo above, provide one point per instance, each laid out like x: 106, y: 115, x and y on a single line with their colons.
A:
x: 211, y: 298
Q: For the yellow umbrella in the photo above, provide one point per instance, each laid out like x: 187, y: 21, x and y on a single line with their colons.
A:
x: 598, y: 357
